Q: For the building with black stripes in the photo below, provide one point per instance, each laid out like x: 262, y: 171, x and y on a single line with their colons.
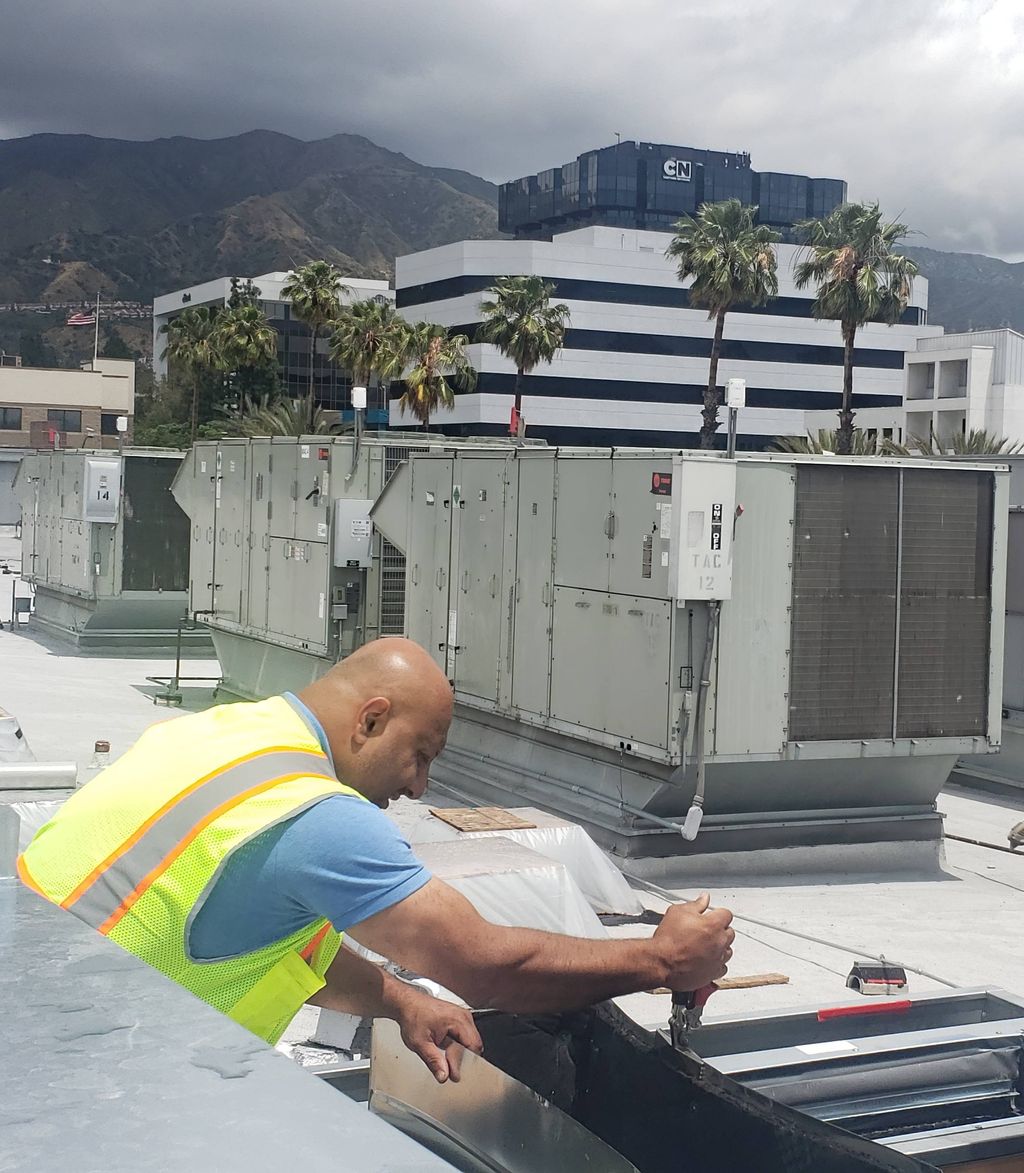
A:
x: 635, y: 362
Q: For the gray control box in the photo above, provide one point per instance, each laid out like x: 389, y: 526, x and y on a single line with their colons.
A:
x: 353, y: 530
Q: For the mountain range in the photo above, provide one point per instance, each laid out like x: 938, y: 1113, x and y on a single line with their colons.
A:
x: 81, y: 215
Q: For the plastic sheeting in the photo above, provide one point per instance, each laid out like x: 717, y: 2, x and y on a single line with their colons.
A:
x: 560, y: 840
x: 507, y: 883
x: 33, y: 815
x: 14, y: 745
x: 510, y: 884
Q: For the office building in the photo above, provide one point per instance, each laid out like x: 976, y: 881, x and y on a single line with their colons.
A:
x: 41, y: 407
x: 648, y: 186
x: 333, y: 385
x: 954, y: 384
x: 634, y: 367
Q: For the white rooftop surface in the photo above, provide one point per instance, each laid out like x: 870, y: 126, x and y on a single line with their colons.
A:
x: 962, y: 925
x: 67, y: 700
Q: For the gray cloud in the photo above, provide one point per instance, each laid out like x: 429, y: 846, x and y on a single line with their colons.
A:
x: 919, y: 104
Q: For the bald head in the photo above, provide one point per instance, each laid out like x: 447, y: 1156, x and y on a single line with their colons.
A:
x: 391, y: 663
x: 386, y: 711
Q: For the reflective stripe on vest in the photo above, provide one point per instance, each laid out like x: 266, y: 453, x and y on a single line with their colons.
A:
x: 111, y: 888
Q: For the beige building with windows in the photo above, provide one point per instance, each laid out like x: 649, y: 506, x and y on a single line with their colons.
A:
x: 45, y: 408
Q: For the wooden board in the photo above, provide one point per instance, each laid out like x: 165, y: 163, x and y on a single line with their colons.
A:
x: 481, y: 818
x: 750, y: 982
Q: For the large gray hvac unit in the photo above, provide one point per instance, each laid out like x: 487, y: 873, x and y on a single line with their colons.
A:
x: 284, y: 567
x: 105, y: 545
x: 569, y: 596
x: 1006, y: 769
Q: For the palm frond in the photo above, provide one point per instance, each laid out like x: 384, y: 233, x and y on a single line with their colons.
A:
x: 270, y: 416
x: 521, y: 323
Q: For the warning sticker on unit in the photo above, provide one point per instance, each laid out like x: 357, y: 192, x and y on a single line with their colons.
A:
x: 665, y: 531
x: 323, y: 600
x: 321, y: 529
x: 325, y: 483
x: 304, y: 452
x: 362, y: 527
x: 664, y: 557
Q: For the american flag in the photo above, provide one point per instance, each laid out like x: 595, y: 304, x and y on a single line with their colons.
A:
x: 81, y: 320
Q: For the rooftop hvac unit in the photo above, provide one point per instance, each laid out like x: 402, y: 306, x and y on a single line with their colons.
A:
x: 105, y: 545
x: 816, y: 639
x: 285, y: 568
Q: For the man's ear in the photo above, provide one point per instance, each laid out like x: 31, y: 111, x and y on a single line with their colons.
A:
x: 372, y: 719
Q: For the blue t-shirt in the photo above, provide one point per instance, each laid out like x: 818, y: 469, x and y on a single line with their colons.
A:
x: 343, y: 859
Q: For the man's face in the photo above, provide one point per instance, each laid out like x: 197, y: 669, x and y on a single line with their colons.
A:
x: 394, y: 760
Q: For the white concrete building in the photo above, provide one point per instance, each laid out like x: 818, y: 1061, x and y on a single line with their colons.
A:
x: 954, y: 384
x: 332, y: 384
x: 966, y: 382
x: 635, y: 363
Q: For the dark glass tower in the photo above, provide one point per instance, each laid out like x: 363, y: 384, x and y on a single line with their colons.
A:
x: 650, y: 185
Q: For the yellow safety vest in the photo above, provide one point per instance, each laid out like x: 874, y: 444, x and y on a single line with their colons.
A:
x: 137, y: 850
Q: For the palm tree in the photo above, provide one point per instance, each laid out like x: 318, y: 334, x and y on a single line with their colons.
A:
x: 244, y: 338
x: 370, y: 339
x: 825, y: 440
x: 437, y: 367
x: 520, y: 321
x: 191, y: 345
x: 859, y: 279
x: 315, y: 292
x: 732, y: 262
x: 976, y: 442
x: 268, y: 416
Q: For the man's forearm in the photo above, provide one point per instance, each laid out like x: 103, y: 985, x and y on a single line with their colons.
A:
x: 438, y: 933
x: 535, y: 972
x: 357, y: 986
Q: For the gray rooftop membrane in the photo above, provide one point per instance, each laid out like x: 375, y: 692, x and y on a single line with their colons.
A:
x: 106, y: 1066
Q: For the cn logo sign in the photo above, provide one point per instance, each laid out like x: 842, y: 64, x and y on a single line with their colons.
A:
x: 676, y: 169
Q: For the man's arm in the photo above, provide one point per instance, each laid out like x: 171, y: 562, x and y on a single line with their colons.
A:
x: 438, y: 933
x: 429, y: 1025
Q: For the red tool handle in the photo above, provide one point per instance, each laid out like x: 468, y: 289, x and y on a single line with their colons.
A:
x: 693, y: 999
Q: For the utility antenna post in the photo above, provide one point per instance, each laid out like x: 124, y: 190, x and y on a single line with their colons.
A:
x: 96, y: 333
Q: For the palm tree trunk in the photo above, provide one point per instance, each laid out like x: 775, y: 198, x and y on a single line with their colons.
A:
x: 711, y: 397
x: 195, y: 406
x: 312, y: 365
x: 844, y: 437
x: 519, y: 391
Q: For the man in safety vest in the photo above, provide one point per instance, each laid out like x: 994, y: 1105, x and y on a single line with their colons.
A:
x: 230, y: 849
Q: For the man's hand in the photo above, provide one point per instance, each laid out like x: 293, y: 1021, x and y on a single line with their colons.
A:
x: 436, y: 1031
x: 695, y: 942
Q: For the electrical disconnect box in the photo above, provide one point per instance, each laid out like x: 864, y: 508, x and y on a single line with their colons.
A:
x: 702, y: 525
x: 352, y: 533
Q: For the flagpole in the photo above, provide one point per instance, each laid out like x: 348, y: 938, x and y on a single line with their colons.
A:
x: 96, y: 335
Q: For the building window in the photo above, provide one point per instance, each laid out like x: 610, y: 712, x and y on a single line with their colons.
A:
x: 65, y: 419
x: 108, y: 424
x: 10, y: 419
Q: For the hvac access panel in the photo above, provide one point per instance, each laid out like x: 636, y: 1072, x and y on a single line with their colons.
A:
x: 702, y: 522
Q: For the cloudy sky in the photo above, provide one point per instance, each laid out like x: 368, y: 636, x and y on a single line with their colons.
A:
x: 918, y: 103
